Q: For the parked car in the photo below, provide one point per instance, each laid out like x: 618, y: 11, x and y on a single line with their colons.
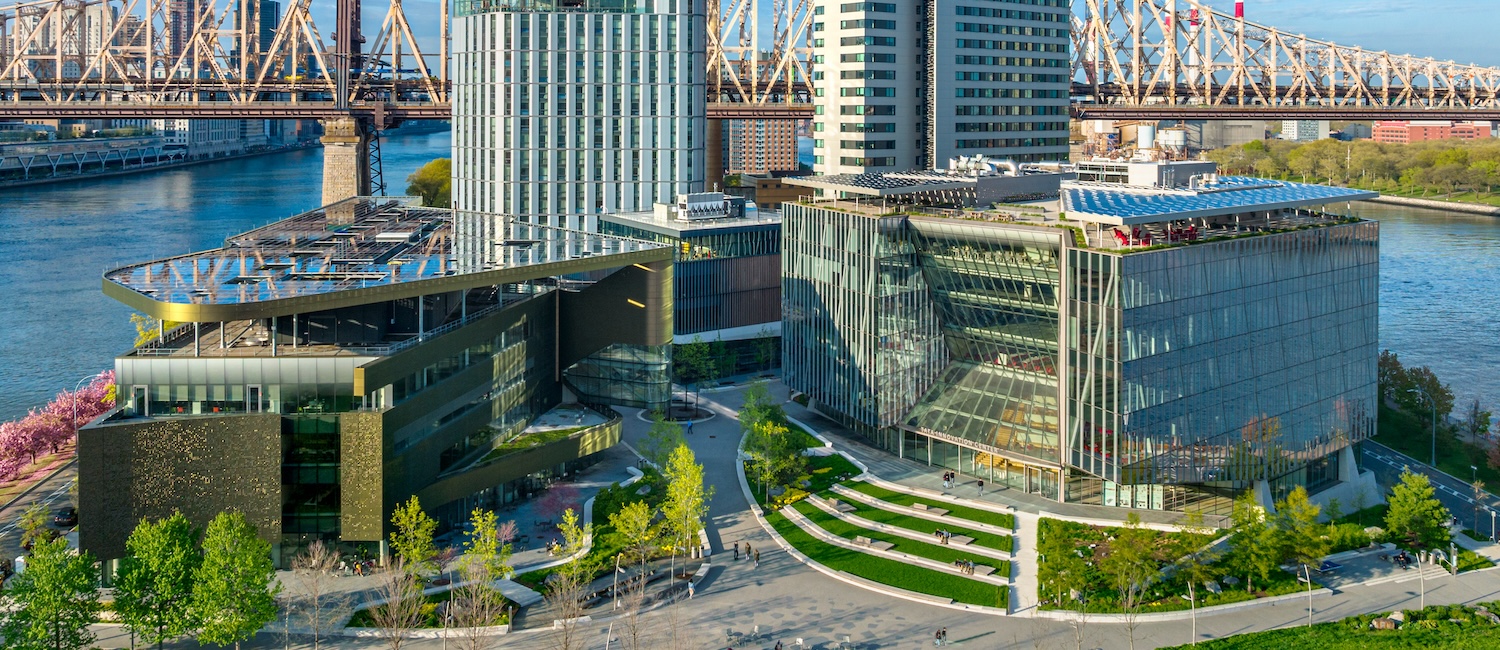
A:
x: 66, y: 517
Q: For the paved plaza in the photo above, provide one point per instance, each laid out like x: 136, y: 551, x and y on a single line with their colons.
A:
x: 787, y: 600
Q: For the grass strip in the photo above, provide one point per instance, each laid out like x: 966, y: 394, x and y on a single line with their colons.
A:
x: 962, y: 512
x: 935, y: 552
x: 1440, y: 627
x: 889, y: 572
x: 927, y: 526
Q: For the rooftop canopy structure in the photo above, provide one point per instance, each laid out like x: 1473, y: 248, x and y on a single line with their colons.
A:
x: 355, y: 252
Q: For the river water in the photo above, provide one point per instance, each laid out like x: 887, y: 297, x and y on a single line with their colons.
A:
x: 1440, y: 272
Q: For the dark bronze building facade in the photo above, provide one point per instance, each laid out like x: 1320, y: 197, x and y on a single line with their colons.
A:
x: 336, y: 363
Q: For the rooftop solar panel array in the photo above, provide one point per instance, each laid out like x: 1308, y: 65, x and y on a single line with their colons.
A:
x: 1233, y: 194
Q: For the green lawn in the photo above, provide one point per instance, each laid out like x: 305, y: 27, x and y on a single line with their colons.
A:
x: 824, y: 471
x: 881, y: 515
x: 890, y: 572
x: 936, y: 552
x: 962, y: 512
x: 1477, y: 536
x: 1430, y: 629
x: 528, y: 441
x: 1469, y: 560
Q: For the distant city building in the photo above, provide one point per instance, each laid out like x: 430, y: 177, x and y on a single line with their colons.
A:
x: 759, y: 146
x: 1355, y: 131
x: 1102, y: 360
x: 1304, y: 130
x: 269, y: 20
x: 204, y: 138
x: 564, y: 114
x: 1405, y: 132
x: 908, y: 84
x: 1206, y: 135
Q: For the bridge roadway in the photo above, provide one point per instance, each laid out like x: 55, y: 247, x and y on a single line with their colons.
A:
x: 270, y: 110
x: 1086, y: 111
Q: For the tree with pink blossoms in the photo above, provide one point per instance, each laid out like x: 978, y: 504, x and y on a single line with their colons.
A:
x: 52, y: 427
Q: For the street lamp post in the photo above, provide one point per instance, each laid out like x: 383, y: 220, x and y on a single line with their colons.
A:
x: 1492, y: 523
x: 1423, y: 392
x: 77, y: 387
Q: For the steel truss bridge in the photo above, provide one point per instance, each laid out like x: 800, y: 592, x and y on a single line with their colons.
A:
x: 1131, y: 59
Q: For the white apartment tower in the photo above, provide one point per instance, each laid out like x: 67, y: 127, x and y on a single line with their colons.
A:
x: 565, y: 109
x: 911, y: 83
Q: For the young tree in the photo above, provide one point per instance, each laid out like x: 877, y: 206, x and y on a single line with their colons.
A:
x: 767, y: 349
x: 1257, y: 542
x: 321, y: 607
x: 633, y: 523
x: 235, y: 588
x: 1415, y: 514
x: 433, y: 182
x: 756, y: 406
x: 568, y: 588
x: 412, y: 539
x: 476, y: 604
x: 1198, y: 566
x: 54, y: 601
x: 33, y: 524
x: 663, y: 437
x: 1131, y: 566
x: 154, y: 588
x: 686, y: 501
x: 1303, y: 538
x: 692, y: 361
x: 1334, y: 511
x: 401, y: 610
x: 1475, y: 425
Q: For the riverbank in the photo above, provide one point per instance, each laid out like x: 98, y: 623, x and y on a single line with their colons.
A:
x: 1454, y: 206
x: 89, y: 176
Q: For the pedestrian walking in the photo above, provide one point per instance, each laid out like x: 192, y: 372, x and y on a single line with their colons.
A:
x: 690, y: 426
x: 757, y: 559
x: 981, y: 488
x: 945, y: 636
x: 937, y: 638
x: 690, y: 590
x: 736, y: 551
x: 747, y: 550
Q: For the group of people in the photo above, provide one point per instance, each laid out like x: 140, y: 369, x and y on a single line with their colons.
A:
x: 943, y: 536
x: 749, y: 553
x: 351, y: 566
x: 965, y: 567
x: 948, y: 478
x: 940, y: 637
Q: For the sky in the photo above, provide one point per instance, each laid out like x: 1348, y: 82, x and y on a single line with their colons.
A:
x: 1459, y: 30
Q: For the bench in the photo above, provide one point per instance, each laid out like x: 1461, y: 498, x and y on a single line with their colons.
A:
x: 928, y: 509
x: 861, y: 540
x: 960, y: 540
x: 840, y: 505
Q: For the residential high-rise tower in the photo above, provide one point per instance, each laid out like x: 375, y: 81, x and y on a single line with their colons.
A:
x: 565, y: 110
x: 911, y: 83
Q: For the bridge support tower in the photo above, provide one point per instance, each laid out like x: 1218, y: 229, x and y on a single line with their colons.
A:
x: 346, y: 158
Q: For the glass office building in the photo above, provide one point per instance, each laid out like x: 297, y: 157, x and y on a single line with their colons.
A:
x: 1168, y: 372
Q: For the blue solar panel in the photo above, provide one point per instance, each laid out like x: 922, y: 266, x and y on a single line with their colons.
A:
x: 1231, y: 194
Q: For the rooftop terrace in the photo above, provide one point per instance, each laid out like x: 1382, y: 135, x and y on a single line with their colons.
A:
x: 358, y: 251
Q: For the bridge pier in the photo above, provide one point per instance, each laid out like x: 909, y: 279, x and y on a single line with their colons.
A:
x: 346, y: 158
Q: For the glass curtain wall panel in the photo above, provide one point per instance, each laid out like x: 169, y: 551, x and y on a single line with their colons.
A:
x: 996, y: 294
x: 1248, y: 359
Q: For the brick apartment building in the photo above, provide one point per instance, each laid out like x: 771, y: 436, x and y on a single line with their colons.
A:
x: 1405, y: 132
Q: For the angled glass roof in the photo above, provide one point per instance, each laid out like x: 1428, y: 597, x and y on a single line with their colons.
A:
x: 1114, y: 204
x: 364, y: 250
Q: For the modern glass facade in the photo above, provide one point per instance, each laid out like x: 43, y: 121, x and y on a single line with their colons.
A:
x: 1153, y: 379
x: 563, y: 111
